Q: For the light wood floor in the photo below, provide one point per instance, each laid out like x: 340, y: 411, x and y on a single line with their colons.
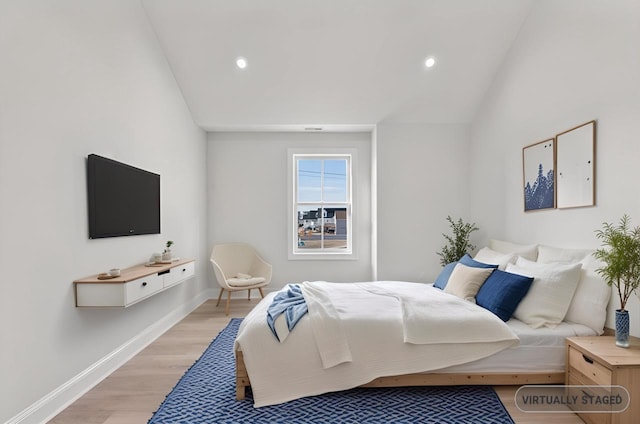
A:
x: 132, y: 393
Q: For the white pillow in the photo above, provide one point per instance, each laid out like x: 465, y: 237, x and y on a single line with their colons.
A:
x: 548, y: 299
x: 548, y: 254
x: 491, y: 257
x: 527, y: 251
x: 589, y: 304
x: 465, y: 281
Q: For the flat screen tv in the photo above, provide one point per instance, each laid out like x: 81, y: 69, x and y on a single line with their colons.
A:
x: 123, y: 200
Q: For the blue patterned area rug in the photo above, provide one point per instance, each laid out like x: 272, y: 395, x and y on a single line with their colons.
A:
x: 206, y: 395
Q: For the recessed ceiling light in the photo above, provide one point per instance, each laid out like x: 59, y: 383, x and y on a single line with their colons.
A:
x: 241, y: 62
x: 430, y: 62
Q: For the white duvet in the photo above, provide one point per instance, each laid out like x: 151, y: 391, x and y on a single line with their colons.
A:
x: 356, y: 332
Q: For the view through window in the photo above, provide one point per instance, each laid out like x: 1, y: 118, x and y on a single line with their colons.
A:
x: 323, y: 203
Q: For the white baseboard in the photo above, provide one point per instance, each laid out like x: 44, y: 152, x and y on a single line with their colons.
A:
x: 53, y: 403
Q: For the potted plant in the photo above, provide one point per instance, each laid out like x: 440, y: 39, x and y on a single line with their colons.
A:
x: 620, y: 255
x: 166, y: 255
x: 458, y: 243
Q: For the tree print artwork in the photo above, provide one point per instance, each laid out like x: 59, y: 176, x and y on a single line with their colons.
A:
x: 539, y: 176
x: 540, y: 196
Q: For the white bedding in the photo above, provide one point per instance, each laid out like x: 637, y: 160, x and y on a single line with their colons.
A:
x: 540, y: 350
x: 371, y: 321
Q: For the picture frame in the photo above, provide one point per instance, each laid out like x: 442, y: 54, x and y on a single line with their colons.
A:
x: 538, y: 172
x: 575, y: 166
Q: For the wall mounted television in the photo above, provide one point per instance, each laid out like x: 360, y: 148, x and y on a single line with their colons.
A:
x: 123, y: 200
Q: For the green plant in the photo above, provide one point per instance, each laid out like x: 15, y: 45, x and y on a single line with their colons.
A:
x: 169, y: 243
x: 458, y: 243
x: 621, y: 257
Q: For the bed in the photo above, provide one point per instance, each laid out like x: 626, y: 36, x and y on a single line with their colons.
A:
x: 385, y: 348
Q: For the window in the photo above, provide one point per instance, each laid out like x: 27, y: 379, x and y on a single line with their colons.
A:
x: 322, y: 204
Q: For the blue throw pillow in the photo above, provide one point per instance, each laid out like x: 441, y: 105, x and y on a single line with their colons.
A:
x: 443, y: 278
x: 502, y: 292
x: 468, y: 261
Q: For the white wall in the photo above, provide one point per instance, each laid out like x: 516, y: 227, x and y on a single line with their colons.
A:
x: 573, y: 61
x: 247, y: 195
x: 423, y: 174
x: 80, y: 77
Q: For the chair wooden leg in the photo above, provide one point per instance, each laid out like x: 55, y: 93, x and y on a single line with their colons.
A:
x: 219, y: 296
x: 261, y: 292
x: 226, y: 310
x: 249, y: 294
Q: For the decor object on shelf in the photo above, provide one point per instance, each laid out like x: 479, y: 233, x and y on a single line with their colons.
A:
x: 237, y: 266
x: 458, y: 243
x: 538, y: 175
x: 575, y: 166
x: 166, y: 255
x: 621, y: 258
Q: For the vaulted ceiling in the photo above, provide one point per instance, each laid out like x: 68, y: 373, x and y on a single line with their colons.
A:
x: 334, y: 63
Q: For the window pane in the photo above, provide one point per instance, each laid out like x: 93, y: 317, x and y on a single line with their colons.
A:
x: 335, y: 180
x: 322, y: 227
x: 309, y: 227
x: 335, y: 227
x: 309, y: 180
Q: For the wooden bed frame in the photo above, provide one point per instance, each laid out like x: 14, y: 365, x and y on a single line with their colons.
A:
x: 423, y: 379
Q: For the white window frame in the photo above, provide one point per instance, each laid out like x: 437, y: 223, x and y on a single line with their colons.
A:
x: 295, y: 253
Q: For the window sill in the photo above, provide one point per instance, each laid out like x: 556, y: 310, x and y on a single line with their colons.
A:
x: 322, y: 257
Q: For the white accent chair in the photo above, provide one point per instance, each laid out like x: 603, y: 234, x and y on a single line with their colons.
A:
x: 238, y: 266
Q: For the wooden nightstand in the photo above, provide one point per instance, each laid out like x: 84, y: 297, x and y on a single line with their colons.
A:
x: 598, y: 361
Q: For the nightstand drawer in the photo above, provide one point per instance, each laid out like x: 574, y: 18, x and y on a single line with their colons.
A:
x: 594, y: 371
x: 589, y: 418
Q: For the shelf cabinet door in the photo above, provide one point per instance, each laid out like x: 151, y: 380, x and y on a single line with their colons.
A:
x: 98, y: 295
x: 178, y: 274
x: 142, y: 288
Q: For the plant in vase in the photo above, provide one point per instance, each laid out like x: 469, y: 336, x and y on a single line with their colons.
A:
x: 458, y: 243
x: 166, y: 255
x: 621, y: 257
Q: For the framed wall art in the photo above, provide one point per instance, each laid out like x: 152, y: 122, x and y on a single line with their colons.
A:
x: 538, y: 161
x: 575, y: 166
